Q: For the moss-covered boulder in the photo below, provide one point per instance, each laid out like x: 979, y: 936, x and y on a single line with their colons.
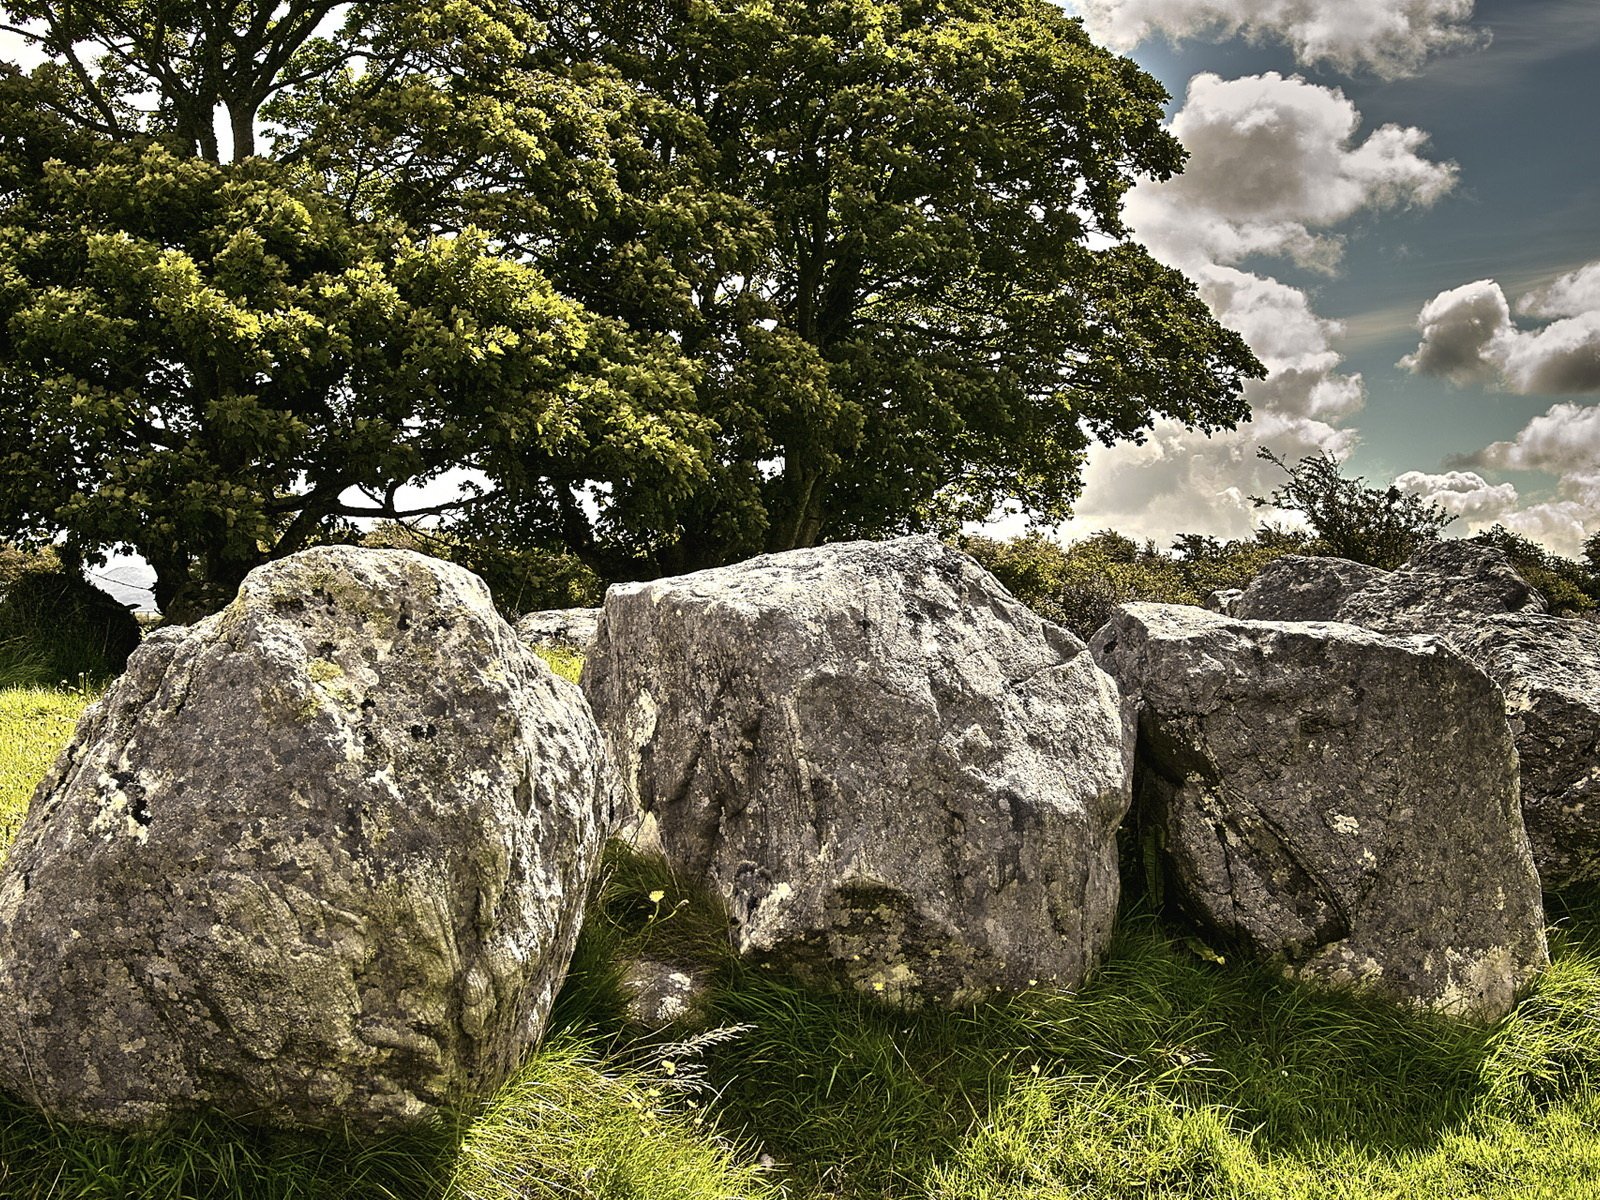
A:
x: 318, y: 859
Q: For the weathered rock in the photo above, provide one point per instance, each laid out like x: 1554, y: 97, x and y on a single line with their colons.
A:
x: 662, y: 994
x: 896, y: 775
x: 1222, y: 600
x: 1297, y: 588
x: 1335, y: 798
x: 1547, y: 667
x: 561, y: 628
x: 1549, y: 670
x: 1444, y: 584
x: 317, y: 859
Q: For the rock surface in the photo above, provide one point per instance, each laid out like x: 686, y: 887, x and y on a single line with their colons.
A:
x: 561, y: 628
x: 896, y: 775
x: 317, y: 859
x: 1549, y: 671
x: 1297, y: 588
x: 1444, y: 584
x: 1335, y: 798
x: 662, y: 994
x: 1548, y: 668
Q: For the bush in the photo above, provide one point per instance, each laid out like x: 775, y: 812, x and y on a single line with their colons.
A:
x: 1569, y: 587
x: 55, y: 625
x: 1080, y: 585
x: 1381, y: 527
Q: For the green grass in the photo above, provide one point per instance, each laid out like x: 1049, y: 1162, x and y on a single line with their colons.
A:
x: 35, y: 724
x: 566, y: 663
x: 1169, y: 1076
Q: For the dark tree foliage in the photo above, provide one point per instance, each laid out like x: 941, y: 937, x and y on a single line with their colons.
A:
x: 1381, y: 527
x: 870, y: 225
x: 679, y: 281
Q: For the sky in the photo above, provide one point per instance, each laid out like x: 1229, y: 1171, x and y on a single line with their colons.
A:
x: 1397, y: 203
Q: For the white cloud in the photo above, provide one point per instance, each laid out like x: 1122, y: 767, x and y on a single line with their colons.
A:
x: 1560, y: 526
x: 1387, y: 37
x: 1564, y: 441
x: 1463, y: 493
x: 1273, y: 161
x: 1179, y: 481
x: 1469, y: 336
x: 1462, y: 330
x: 1572, y: 295
x: 1274, y: 165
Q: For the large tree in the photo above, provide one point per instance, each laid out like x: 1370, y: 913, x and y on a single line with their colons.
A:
x: 215, y: 363
x: 890, y: 233
x: 842, y: 268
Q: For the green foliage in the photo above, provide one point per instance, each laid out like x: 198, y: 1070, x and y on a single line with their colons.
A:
x: 519, y: 580
x: 1382, y: 527
x: 202, y: 362
x: 751, y: 275
x: 566, y: 663
x: 1569, y: 587
x: 1081, y: 584
x: 55, y: 626
x: 868, y: 224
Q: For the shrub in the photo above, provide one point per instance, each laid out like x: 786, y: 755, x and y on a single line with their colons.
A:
x: 1381, y: 527
x: 1569, y: 587
x: 55, y: 625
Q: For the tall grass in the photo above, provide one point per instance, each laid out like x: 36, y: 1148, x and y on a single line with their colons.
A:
x: 1170, y: 1075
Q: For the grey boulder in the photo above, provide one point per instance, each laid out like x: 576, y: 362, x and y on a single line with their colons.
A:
x: 1444, y: 584
x: 318, y: 859
x: 1547, y: 667
x: 1299, y: 588
x: 897, y: 777
x: 559, y: 628
x: 1549, y: 671
x: 1335, y: 799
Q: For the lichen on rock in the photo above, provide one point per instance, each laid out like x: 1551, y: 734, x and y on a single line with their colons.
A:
x: 318, y: 859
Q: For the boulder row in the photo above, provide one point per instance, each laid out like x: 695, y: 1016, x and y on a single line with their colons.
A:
x: 318, y: 859
x: 1547, y: 667
x: 896, y: 776
x: 1336, y: 799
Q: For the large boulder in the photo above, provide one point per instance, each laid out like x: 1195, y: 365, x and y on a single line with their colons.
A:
x: 1444, y: 584
x: 1547, y: 667
x: 1549, y: 671
x: 896, y: 775
x: 315, y: 860
x: 1299, y: 588
x: 1339, y: 800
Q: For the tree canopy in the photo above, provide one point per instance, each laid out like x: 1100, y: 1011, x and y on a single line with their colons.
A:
x: 680, y: 281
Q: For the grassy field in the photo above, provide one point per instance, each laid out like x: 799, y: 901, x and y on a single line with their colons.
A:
x: 1170, y: 1076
